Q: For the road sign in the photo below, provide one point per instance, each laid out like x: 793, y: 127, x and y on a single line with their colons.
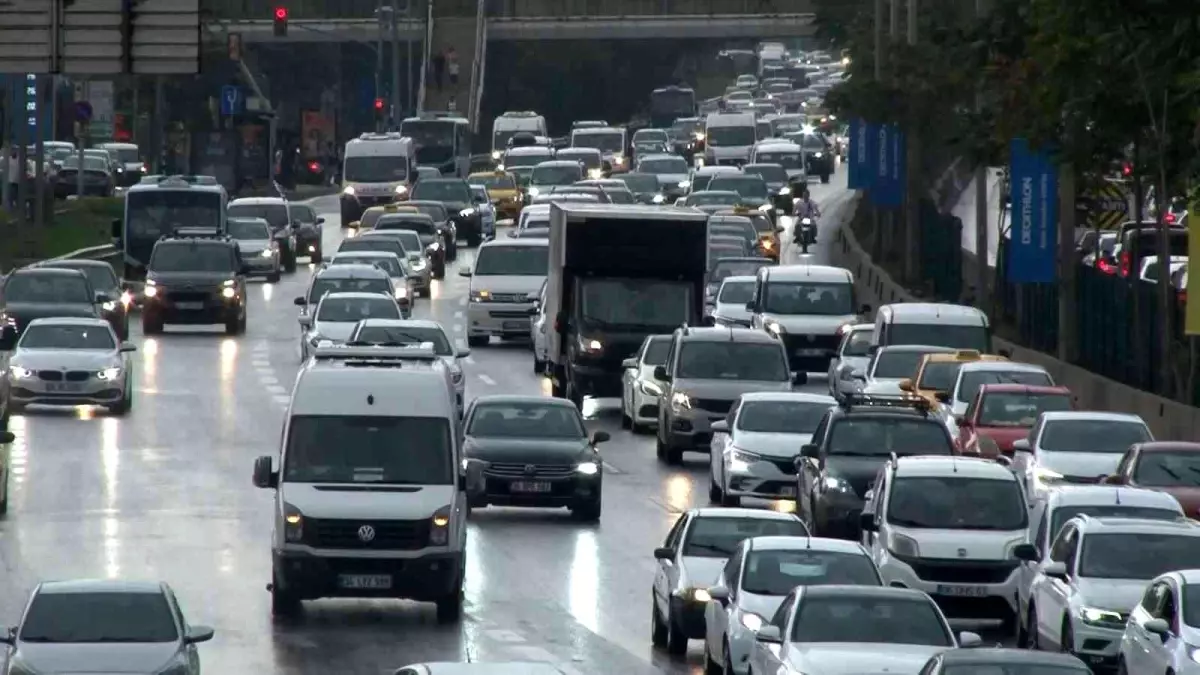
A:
x: 83, y: 111
x: 1108, y: 206
x: 232, y: 100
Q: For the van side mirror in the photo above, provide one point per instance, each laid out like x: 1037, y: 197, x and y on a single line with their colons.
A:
x: 906, y: 385
x: 1158, y: 627
x: 102, y: 298
x: 128, y: 347
x: 660, y: 374
x: 708, y: 321
x: 720, y: 427
x: 1021, y: 445
x: 464, y: 272
x: 750, y: 307
x: 320, y: 220
x: 1055, y: 570
x: 198, y: 634
x: 866, y: 522
x: 664, y: 553
x: 1114, y: 480
x: 629, y: 363
x: 305, y: 321
x: 720, y: 594
x: 942, y: 397
x: 865, y: 309
x: 769, y: 635
x: 1026, y: 552
x: 300, y: 302
x: 810, y: 451
x: 264, y: 473
x: 8, y: 337
x: 463, y: 353
x: 116, y: 227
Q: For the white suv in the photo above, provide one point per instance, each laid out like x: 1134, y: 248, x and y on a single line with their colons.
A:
x: 370, y: 488
x: 948, y: 526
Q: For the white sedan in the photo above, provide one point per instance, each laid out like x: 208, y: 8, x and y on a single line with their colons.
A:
x: 640, y: 390
x: 1163, y: 631
x: 71, y: 361
x: 338, y: 314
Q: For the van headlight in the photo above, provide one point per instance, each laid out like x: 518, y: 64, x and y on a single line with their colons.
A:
x: 684, y: 184
x: 533, y: 192
x: 439, y: 527
x: 680, y: 401
x: 467, y: 213
x: 496, y: 154
x: 267, y: 253
x: 348, y: 190
x: 588, y: 468
x: 151, y: 288
x: 765, y: 208
x: 293, y: 523
x: 658, y: 199
x: 774, y: 328
x: 595, y: 173
x: 785, y: 190
x: 902, y: 546
x: 109, y: 306
x: 589, y: 345
x: 401, y: 292
x: 228, y: 292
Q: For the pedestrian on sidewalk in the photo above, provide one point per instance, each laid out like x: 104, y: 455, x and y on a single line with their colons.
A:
x: 439, y: 70
x: 452, y: 66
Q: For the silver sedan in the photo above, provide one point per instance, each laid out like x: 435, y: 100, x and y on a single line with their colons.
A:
x: 71, y: 361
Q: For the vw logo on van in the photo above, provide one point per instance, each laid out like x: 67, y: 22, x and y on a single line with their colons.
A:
x: 366, y: 533
x: 530, y: 470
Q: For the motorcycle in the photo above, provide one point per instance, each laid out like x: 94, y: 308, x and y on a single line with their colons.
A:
x: 806, y: 234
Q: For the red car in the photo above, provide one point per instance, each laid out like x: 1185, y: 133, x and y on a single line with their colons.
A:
x: 1004, y: 413
x: 1172, y: 467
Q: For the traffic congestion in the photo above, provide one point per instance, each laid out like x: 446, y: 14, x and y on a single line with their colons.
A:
x: 602, y: 404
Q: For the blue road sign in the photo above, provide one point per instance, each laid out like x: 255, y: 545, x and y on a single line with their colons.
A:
x: 856, y: 154
x: 83, y: 111
x: 1032, y: 255
x: 232, y: 100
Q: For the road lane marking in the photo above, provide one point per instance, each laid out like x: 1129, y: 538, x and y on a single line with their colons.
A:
x: 505, y: 636
x: 457, y: 328
x: 458, y: 315
x: 487, y: 380
x: 462, y: 301
x: 609, y: 468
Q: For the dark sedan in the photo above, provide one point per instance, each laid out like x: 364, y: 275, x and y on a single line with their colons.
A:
x: 40, y: 292
x: 441, y: 216
x: 104, y: 280
x: 534, y: 452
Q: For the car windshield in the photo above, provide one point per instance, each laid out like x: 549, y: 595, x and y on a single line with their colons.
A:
x: 275, y: 214
x: 736, y: 292
x: 248, y: 229
x: 590, y: 160
x: 656, y: 351
x: 608, y: 303
x: 385, y: 244
x: 1018, y: 409
x: 941, y: 335
x: 192, y: 257
x: 785, y: 297
x: 356, y: 309
x: 724, y: 360
x: 303, y: 213
x: 881, y: 436
x: 525, y: 420
x: 90, y: 163
x: 685, y: 127
x: 651, y: 136
x: 436, y: 211
x: 404, y: 335
x: 119, y: 616
x: 376, y: 169
x: 530, y: 159
x: 619, y: 195
x: 604, y: 141
x: 971, y: 381
x: 787, y: 159
x: 1065, y: 512
x: 390, y: 264
x: 719, y: 537
x: 870, y: 619
x: 736, y: 268
x: 409, y: 240
x: 1159, y: 468
x: 749, y: 187
x: 1191, y: 604
x: 713, y: 198
x: 809, y: 142
x: 423, y: 226
x: 50, y: 336
x: 440, y: 190
x: 528, y: 261
x: 896, y: 364
x: 494, y: 181
x: 732, y: 136
x: 782, y: 417
x: 152, y: 213
x: 957, y: 503
x: 126, y: 155
x: 642, y: 183
x: 1136, y: 555
x: 1092, y: 435
x: 369, y: 449
x: 556, y: 174
x: 101, y: 277
x: 939, y: 375
x: 776, y: 573
x: 325, y: 285
x: 859, y: 343
x: 664, y: 165
x: 771, y: 173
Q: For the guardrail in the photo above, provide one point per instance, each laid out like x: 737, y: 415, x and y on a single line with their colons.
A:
x: 506, y: 9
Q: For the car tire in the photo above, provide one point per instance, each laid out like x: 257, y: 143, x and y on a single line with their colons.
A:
x: 1034, y: 638
x: 658, y: 628
x: 715, y: 494
x: 801, y: 379
x: 439, y: 272
x: 151, y: 325
x: 588, y: 512
x: 711, y: 667
x: 449, y: 607
x: 574, y: 396
x: 478, y: 340
x: 452, y: 251
x: 289, y: 261
x: 825, y: 178
x: 316, y: 256
x: 1067, y: 638
x: 125, y: 405
x: 274, y: 277
x: 677, y: 642
x: 284, y: 604
x: 626, y: 419
x: 639, y: 429
x: 474, y: 239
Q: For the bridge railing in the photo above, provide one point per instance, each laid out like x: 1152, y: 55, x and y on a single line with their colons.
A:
x: 500, y: 9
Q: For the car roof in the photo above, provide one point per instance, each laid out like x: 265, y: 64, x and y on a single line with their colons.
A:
x: 775, y: 144
x: 930, y: 466
x: 964, y: 355
x: 1000, y: 366
x: 365, y: 254
x: 738, y: 279
x: 1099, y: 495
x: 258, y: 201
x: 413, y: 323
x: 72, y: 263
x: 806, y: 273
x: 1191, y: 576
x: 530, y: 150
x: 930, y: 310
x: 796, y: 396
x: 440, y: 668
x: 735, y: 219
x: 749, y: 258
x: 1011, y: 388
x: 1091, y: 416
x: 524, y: 399
x: 351, y: 271
x: 876, y: 592
x: 502, y: 243
x: 404, y: 215
x: 44, y: 270
x: 727, y: 334
x: 1001, y: 655
x: 1168, y: 446
x: 739, y: 512
x: 716, y: 169
x: 352, y: 295
x: 69, y: 321
x: 1119, y: 525
x: 795, y: 543
x: 99, y: 586
x: 927, y: 349
x: 580, y: 151
x: 660, y: 155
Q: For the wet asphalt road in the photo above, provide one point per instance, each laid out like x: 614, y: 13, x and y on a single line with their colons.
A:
x: 165, y: 494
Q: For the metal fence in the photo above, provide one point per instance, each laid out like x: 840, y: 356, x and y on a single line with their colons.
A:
x: 503, y: 9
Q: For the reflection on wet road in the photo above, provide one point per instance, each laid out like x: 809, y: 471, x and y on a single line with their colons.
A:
x: 165, y: 493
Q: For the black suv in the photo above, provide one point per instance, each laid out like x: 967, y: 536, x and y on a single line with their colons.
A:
x: 455, y: 194
x: 835, y: 470
x: 195, y: 279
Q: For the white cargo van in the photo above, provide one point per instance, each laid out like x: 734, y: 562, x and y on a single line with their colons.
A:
x: 512, y: 123
x: 376, y: 169
x: 930, y: 323
x: 731, y: 138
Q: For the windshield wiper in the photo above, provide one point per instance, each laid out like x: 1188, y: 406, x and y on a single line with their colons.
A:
x: 908, y: 522
x: 713, y: 548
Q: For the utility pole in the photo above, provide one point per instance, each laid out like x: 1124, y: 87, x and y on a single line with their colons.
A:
x: 981, y: 209
x: 39, y: 150
x: 876, y: 217
x: 912, y: 206
x: 409, y: 105
x: 395, y: 26
x: 379, y: 61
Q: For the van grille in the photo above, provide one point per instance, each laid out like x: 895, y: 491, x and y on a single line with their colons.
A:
x: 395, y: 535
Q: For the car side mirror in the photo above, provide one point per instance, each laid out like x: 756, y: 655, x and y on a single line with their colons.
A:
x: 1158, y: 627
x: 471, y: 479
x: 660, y: 374
x: 1055, y: 570
x: 305, y: 321
x: 769, y: 635
x: 128, y: 347
x: 866, y: 522
x: 8, y: 337
x: 750, y: 306
x: 198, y: 634
x: 102, y: 298
x: 906, y: 385
x: 6, y: 437
x: 708, y: 321
x: 601, y: 437
x: 779, y: 229
x: 942, y: 397
x: 800, y: 378
x: 264, y: 473
x: 1021, y: 445
x: 116, y: 226
x: 320, y: 220
x: 8, y: 636
x: 865, y: 309
x: 629, y: 363
x: 1026, y: 552
x: 962, y: 421
x: 463, y: 353
x: 464, y: 272
x: 873, y: 349
x: 720, y: 427
x: 1006, y: 353
x: 810, y: 451
x: 720, y: 594
x: 300, y: 302
x: 664, y: 553
x: 967, y: 639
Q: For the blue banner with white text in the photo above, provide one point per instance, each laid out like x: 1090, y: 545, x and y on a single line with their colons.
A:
x: 886, y: 189
x: 1033, y: 185
x: 869, y: 153
x: 856, y: 155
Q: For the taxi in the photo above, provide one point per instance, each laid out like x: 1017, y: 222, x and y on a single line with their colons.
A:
x: 504, y: 191
x: 372, y: 214
x: 768, y: 232
x: 937, y: 373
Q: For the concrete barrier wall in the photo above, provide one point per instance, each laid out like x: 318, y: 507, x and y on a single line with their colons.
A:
x: 1168, y: 419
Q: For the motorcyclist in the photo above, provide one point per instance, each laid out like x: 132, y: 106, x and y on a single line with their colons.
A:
x: 806, y: 208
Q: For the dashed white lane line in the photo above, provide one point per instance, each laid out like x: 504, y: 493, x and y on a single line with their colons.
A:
x: 487, y: 380
x: 462, y: 301
x: 266, y: 373
x: 458, y: 315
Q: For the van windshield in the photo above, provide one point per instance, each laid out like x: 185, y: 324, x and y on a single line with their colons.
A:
x: 941, y: 335
x: 368, y: 449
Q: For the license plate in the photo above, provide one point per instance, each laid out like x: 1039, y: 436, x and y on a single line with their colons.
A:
x: 810, y: 352
x: 515, y: 325
x: 189, y: 305
x: 963, y: 591
x: 63, y: 387
x: 788, y: 491
x: 529, y: 486
x: 370, y: 582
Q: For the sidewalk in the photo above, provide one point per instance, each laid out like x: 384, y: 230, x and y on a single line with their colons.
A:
x: 964, y: 210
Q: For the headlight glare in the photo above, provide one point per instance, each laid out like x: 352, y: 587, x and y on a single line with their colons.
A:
x: 267, y: 253
x: 752, y: 621
x: 348, y: 190
x: 588, y: 468
x: 109, y: 306
x: 467, y: 212
x: 228, y: 292
x: 19, y: 372
x: 109, y: 374
x: 681, y: 401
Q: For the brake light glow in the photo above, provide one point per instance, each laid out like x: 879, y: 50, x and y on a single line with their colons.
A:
x: 1169, y: 218
x: 1127, y: 169
x: 1126, y: 263
x: 314, y: 167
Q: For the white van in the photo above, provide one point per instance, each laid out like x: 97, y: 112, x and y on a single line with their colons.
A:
x: 376, y: 169
x: 370, y: 489
x: 730, y: 139
x: 512, y: 123
x: 935, y: 324
x: 610, y: 141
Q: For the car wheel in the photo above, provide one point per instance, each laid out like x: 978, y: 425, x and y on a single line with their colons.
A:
x: 677, y: 641
x: 1067, y: 639
x: 449, y: 608
x: 574, y: 395
x: 274, y: 277
x: 477, y: 340
x: 151, y: 325
x: 711, y: 667
x: 126, y: 403
x: 1035, y: 638
x: 658, y: 629
x: 626, y: 419
x: 316, y: 256
x: 284, y: 603
x: 824, y: 178
x: 589, y: 512
x: 715, y: 494
x: 289, y: 261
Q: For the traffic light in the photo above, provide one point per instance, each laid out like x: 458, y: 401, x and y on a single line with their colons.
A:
x: 378, y: 107
x: 281, y: 18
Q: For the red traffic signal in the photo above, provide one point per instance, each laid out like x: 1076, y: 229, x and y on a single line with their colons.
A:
x: 281, y: 17
x: 281, y: 13
x: 378, y: 105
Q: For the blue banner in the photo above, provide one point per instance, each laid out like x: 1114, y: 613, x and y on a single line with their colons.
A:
x: 889, y: 168
x: 868, y: 153
x: 899, y: 158
x: 856, y: 154
x: 1033, y: 248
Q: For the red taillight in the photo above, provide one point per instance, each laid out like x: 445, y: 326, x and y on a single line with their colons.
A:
x: 1106, y: 267
x: 314, y: 167
x: 1169, y: 218
x: 1183, y: 297
x: 1126, y: 263
x: 1127, y: 169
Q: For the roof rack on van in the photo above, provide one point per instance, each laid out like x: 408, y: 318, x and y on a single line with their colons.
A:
x: 853, y: 400
x: 376, y: 356
x: 177, y: 179
x: 385, y: 136
x: 520, y: 113
x: 198, y: 233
